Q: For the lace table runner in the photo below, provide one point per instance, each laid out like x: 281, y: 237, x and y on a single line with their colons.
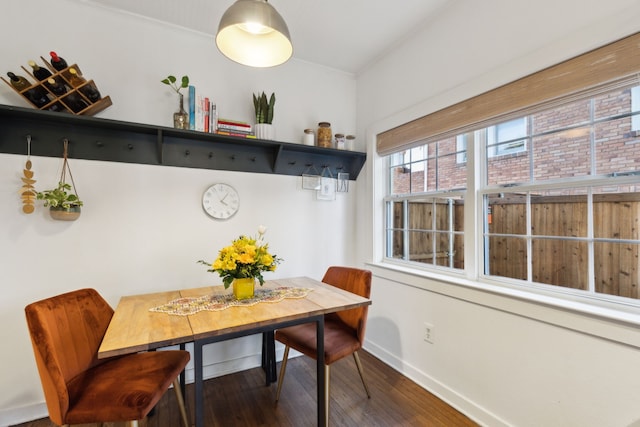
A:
x: 186, y: 306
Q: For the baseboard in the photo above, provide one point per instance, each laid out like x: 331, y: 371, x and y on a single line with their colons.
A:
x: 472, y: 410
x: 230, y: 366
x: 13, y: 416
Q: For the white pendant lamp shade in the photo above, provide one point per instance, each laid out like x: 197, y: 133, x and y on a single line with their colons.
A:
x: 252, y: 32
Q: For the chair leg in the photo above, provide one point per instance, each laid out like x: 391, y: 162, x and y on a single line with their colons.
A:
x: 327, y: 372
x: 283, y: 369
x: 183, y: 412
x: 359, y: 365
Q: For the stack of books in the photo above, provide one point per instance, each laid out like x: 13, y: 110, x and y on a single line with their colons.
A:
x: 203, y: 117
x: 235, y: 128
x: 203, y: 114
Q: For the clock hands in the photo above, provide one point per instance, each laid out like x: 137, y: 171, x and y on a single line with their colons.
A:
x: 222, y: 200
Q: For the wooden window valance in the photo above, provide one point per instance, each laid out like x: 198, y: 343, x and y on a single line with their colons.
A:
x: 611, y: 62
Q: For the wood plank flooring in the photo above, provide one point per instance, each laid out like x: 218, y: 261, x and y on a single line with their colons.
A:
x: 242, y: 399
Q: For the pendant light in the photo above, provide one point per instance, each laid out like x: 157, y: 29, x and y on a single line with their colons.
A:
x: 252, y: 32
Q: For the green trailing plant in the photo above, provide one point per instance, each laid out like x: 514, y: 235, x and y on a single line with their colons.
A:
x: 172, y: 81
x: 59, y: 197
x: 264, y: 108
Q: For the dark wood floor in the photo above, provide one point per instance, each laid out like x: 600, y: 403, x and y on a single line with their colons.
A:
x: 242, y: 399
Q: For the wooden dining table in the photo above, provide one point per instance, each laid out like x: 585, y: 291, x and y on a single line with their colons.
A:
x: 134, y: 327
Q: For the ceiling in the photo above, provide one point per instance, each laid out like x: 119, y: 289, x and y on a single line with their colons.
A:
x: 343, y: 34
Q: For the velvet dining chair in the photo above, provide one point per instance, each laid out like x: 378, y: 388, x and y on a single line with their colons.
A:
x: 66, y: 331
x: 343, y: 331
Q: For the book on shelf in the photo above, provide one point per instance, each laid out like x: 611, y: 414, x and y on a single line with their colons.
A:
x: 231, y: 128
x: 203, y: 114
x: 213, y: 118
x: 206, y: 105
x: 192, y: 107
x: 234, y: 125
x: 236, y: 134
x: 203, y: 117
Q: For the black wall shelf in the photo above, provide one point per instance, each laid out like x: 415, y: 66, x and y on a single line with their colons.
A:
x: 116, y: 141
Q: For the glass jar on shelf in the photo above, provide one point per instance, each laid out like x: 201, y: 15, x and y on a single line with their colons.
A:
x: 350, y: 142
x: 324, y: 135
x: 309, y: 138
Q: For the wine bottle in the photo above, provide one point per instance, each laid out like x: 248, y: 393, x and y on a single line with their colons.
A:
x: 76, y: 78
x: 18, y: 82
x: 75, y: 102
x: 38, y: 96
x: 57, y: 107
x: 91, y: 92
x: 57, y: 62
x: 39, y: 72
x: 56, y: 87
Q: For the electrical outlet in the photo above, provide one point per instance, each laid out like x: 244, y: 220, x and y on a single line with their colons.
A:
x: 429, y: 333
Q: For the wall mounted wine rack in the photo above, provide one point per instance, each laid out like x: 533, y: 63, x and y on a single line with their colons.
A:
x: 61, y: 103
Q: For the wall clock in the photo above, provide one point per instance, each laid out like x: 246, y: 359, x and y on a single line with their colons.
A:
x: 221, y: 201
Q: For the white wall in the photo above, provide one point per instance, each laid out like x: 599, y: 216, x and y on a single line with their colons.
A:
x: 142, y: 228
x: 500, y: 359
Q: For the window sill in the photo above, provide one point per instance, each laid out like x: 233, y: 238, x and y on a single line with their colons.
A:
x: 591, y: 318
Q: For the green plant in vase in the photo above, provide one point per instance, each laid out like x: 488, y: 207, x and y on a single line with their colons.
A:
x: 180, y: 118
x: 264, y: 114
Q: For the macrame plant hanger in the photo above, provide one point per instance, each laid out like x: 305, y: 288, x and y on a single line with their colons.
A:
x: 66, y: 168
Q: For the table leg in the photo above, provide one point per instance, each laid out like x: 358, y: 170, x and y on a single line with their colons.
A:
x: 183, y: 380
x: 198, y: 399
x: 269, y: 356
x: 323, y: 419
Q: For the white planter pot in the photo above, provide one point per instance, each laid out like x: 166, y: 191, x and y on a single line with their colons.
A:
x: 264, y: 131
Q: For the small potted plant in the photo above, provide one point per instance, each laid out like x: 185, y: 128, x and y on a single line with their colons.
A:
x: 180, y: 118
x: 264, y: 115
x: 63, y: 204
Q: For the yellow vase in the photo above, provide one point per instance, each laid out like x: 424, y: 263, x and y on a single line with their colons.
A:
x: 243, y: 288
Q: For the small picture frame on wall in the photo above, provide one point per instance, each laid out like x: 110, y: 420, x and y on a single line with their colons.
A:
x: 327, y: 189
x: 311, y: 182
x: 343, y: 182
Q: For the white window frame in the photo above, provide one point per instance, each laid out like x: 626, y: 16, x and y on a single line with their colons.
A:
x: 473, y: 196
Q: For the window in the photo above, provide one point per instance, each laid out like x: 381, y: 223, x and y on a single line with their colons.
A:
x: 507, y: 137
x: 565, y: 214
x: 502, y: 139
x: 425, y: 204
x: 541, y: 175
x: 635, y: 107
x: 559, y: 194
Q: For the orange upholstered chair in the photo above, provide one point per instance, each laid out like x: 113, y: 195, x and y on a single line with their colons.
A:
x: 66, y: 331
x: 343, y: 331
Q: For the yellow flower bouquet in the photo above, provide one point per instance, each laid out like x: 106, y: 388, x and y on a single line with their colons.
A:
x: 246, y: 257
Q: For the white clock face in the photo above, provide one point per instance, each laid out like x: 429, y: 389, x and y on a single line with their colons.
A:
x: 220, y: 201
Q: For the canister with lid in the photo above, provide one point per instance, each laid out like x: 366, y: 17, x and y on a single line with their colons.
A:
x: 309, y: 138
x: 324, y: 134
x: 351, y: 142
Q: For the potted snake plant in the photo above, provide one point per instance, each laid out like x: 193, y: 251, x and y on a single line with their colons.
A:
x: 264, y: 115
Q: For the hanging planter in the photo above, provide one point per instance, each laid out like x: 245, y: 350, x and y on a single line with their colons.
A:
x: 63, y: 201
x: 64, y: 214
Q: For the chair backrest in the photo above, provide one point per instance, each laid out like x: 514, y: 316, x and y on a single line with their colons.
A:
x: 356, y: 281
x: 66, y: 332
